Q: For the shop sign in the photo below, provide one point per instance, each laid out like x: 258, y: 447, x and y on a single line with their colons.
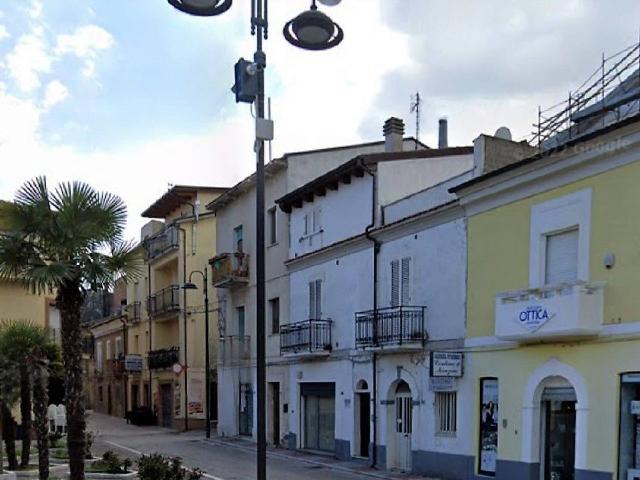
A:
x: 133, y: 363
x: 534, y: 316
x: 443, y: 384
x: 446, y: 364
x: 635, y: 407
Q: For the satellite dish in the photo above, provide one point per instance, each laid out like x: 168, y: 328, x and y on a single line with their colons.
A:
x: 329, y: 3
x: 504, y: 133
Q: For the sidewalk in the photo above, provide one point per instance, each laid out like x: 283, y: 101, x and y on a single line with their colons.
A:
x: 360, y: 467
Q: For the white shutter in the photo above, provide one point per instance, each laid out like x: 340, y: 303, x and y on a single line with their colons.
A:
x: 395, y: 283
x: 561, y: 261
x: 312, y: 300
x: 318, y: 299
x: 406, y: 279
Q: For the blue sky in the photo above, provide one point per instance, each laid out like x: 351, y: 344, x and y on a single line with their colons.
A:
x: 131, y: 95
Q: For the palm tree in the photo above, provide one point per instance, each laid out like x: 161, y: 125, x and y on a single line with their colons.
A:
x: 67, y: 241
x: 9, y: 391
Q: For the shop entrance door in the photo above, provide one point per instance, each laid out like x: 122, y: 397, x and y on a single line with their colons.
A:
x: 364, y: 401
x: 404, y: 416
x: 246, y: 409
x: 559, y: 424
x: 319, y: 402
x: 166, y: 404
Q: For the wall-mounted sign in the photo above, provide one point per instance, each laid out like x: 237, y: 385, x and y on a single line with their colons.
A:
x: 635, y: 407
x: 446, y: 364
x: 177, y: 368
x: 534, y: 316
x: 443, y: 384
x: 133, y: 363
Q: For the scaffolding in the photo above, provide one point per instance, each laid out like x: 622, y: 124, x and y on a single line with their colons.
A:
x: 609, y: 95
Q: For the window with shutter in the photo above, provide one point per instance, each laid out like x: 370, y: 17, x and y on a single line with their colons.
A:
x: 406, y: 281
x: 315, y: 299
x: 395, y: 283
x: 561, y: 260
x: 318, y: 299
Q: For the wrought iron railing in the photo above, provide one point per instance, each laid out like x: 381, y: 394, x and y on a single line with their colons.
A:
x: 230, y: 268
x: 163, y: 358
x: 133, y: 311
x: 390, y: 326
x: 308, y: 336
x: 235, y: 349
x: 164, y: 301
x: 161, y: 243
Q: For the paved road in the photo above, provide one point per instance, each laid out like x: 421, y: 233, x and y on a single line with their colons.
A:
x: 219, y: 460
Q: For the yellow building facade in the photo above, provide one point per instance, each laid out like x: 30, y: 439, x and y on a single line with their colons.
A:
x: 169, y: 331
x: 553, y: 313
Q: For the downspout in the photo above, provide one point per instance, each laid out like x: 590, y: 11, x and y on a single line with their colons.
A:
x: 184, y: 321
x: 150, y: 399
x: 374, y: 360
x: 125, y: 377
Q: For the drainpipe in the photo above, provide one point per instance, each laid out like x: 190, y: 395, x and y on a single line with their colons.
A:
x: 125, y: 377
x: 374, y: 360
x: 150, y: 399
x: 184, y: 321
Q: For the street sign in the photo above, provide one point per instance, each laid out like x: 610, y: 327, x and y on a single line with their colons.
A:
x: 133, y: 363
x: 177, y: 368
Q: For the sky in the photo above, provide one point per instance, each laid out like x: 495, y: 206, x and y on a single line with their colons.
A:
x: 132, y: 96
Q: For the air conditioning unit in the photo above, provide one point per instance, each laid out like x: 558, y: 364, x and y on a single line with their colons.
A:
x: 633, y: 474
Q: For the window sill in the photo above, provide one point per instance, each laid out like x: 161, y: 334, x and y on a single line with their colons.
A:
x: 446, y: 434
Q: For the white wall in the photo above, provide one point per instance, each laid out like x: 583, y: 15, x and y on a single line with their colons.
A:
x: 344, y: 214
x: 438, y: 275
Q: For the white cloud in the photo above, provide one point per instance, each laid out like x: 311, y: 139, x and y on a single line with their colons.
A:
x: 28, y: 60
x: 36, y: 9
x: 4, y: 33
x: 85, y: 43
x: 55, y: 93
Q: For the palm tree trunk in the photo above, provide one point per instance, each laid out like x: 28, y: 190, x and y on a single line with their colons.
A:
x: 40, y: 401
x: 69, y: 302
x: 25, y: 413
x: 9, y: 433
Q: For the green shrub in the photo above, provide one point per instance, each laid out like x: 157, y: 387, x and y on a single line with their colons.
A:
x: 111, y: 463
x: 159, y: 467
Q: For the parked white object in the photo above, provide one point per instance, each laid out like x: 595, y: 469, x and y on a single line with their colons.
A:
x: 52, y: 411
x: 61, y: 419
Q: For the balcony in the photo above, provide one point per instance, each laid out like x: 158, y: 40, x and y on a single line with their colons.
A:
x: 115, y: 367
x: 230, y: 270
x: 162, y: 243
x: 570, y: 310
x: 309, y: 338
x: 164, y: 301
x: 395, y: 328
x: 133, y: 312
x: 235, y: 350
x: 163, y: 358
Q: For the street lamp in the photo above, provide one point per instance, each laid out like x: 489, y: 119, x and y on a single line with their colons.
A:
x: 311, y: 30
x: 207, y: 368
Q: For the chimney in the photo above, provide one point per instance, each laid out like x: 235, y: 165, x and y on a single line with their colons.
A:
x: 393, y: 131
x: 443, y: 141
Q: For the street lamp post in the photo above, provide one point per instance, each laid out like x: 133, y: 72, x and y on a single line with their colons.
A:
x: 207, y: 366
x: 311, y: 30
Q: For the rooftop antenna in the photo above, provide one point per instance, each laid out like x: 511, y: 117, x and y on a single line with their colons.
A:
x: 415, y: 107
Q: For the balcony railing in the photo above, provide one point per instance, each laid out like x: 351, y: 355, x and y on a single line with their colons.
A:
x: 162, y: 243
x: 568, y: 310
x: 133, y: 311
x: 115, y: 367
x: 235, y: 350
x: 164, y: 301
x: 401, y: 326
x: 163, y: 358
x: 306, y: 337
x: 230, y: 270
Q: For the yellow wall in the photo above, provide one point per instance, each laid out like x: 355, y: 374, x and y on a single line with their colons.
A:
x: 16, y: 303
x: 499, y: 248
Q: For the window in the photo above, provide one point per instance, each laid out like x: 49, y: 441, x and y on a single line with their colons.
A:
x: 313, y: 222
x: 240, y: 318
x: 100, y: 394
x: 238, y: 237
x: 108, y: 349
x: 315, y: 299
x: 136, y: 344
x: 99, y: 358
x: 446, y: 413
x: 118, y: 351
x: 489, y: 401
x: 274, y: 308
x: 401, y: 282
x: 273, y: 231
x: 561, y: 257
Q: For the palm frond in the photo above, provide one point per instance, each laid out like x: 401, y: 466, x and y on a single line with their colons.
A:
x: 33, y: 193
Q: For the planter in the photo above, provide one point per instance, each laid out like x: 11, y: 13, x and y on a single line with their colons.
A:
x: 54, y: 471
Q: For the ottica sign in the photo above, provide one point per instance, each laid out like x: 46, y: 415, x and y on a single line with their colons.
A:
x: 533, y: 317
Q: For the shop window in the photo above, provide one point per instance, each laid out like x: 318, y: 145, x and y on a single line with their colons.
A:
x: 489, y: 400
x: 446, y: 413
x: 629, y: 450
